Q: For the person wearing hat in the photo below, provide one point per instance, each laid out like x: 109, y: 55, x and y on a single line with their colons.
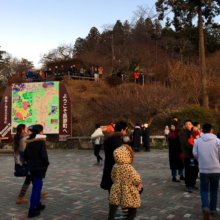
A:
x: 146, y: 138
x: 137, y: 137
x: 96, y: 136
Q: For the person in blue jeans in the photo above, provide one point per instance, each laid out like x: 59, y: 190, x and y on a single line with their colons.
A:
x: 35, y: 155
x: 207, y: 151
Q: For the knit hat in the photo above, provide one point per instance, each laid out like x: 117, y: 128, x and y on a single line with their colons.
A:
x: 195, y: 133
x: 138, y: 124
x: 97, y: 126
x: 146, y: 125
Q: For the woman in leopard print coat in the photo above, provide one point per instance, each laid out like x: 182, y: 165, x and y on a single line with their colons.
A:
x: 125, y: 179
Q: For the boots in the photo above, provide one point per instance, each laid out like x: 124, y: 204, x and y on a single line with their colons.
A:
x: 40, y: 207
x: 43, y: 194
x: 33, y: 213
x: 21, y: 200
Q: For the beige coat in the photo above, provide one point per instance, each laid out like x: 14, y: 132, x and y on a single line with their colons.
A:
x: 125, y: 179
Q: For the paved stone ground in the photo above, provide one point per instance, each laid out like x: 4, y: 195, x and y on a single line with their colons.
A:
x: 73, y: 189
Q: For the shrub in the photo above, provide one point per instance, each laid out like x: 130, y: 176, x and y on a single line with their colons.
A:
x: 113, y: 81
x: 194, y: 113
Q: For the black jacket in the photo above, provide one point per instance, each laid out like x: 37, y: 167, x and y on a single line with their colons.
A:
x: 174, y: 154
x: 74, y: 70
x: 137, y: 137
x: 146, y: 137
x: 35, y: 155
x: 62, y: 71
x: 56, y: 72
x: 112, y: 142
x: 49, y: 73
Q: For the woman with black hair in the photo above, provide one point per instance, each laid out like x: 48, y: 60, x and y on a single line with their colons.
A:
x: 175, y: 152
x: 36, y: 157
x: 19, y: 147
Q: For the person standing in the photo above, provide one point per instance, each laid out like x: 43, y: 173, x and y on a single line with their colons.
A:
x: 96, y: 74
x: 92, y: 73
x: 119, y: 74
x: 62, y: 70
x: 97, y: 136
x: 207, y: 151
x: 124, y: 191
x: 146, y: 138
x: 35, y: 155
x: 137, y: 137
x: 141, y: 78
x: 30, y: 76
x: 82, y: 71
x: 124, y: 76
x: 175, y: 151
x: 100, y: 72
x: 191, y: 172
x: 74, y: 71
x: 136, y: 76
x: 110, y: 128
x: 112, y: 141
x: 70, y: 72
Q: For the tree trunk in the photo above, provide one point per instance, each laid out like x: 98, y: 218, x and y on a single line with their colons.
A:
x: 205, y: 97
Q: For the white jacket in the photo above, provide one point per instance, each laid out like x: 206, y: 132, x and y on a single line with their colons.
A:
x: 207, y: 151
x: 96, y: 135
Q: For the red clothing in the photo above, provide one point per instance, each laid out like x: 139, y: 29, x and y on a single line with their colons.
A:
x: 136, y: 75
x: 173, y: 135
x: 110, y: 129
x: 191, y: 141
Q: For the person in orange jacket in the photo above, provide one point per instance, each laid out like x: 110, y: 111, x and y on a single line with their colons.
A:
x: 110, y: 128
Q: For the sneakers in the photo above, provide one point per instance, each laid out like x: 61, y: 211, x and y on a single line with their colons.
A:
x: 189, y: 189
x: 192, y: 162
x: 213, y: 213
x: 206, y: 214
x: 118, y: 216
x: 175, y: 180
x: 101, y: 162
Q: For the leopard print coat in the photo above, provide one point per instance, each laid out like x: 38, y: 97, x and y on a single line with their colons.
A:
x: 125, y: 179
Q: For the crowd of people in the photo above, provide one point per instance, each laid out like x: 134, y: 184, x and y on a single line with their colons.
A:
x: 191, y: 149
x: 92, y: 74
x: 198, y: 152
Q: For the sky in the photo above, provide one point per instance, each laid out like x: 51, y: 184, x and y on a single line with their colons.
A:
x: 30, y: 28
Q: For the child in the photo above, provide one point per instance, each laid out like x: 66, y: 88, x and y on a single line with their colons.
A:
x: 195, y: 135
x: 197, y: 126
x: 35, y: 155
x: 124, y: 191
x: 166, y: 131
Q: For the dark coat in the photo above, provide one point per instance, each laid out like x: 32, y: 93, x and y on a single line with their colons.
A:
x: 146, y: 137
x: 62, y: 71
x: 174, y: 154
x: 112, y: 142
x: 186, y: 146
x: 137, y: 137
x: 35, y: 155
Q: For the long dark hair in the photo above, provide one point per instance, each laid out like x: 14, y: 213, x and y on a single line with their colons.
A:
x: 18, y: 136
x: 177, y: 128
x: 36, y: 130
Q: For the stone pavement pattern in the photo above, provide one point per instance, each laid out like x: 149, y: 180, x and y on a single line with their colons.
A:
x: 73, y: 189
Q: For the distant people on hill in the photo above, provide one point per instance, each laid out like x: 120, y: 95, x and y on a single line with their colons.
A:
x: 136, y: 76
x: 30, y: 76
x: 166, y: 131
x: 70, y: 71
x: 100, y: 72
x: 74, y: 71
x: 141, y: 78
x: 119, y: 74
x: 57, y: 73
x: 62, y: 70
x: 124, y: 76
x: 97, y: 73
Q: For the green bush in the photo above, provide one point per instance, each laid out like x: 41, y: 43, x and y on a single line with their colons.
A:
x: 196, y: 114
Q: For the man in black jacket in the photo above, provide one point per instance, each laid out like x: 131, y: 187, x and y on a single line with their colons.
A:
x: 191, y: 172
x: 112, y: 142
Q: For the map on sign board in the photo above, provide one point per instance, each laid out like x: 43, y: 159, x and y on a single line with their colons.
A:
x: 36, y: 103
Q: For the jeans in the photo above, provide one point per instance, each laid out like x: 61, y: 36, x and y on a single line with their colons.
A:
x: 209, y: 182
x: 174, y: 172
x: 96, y: 152
x: 36, y: 193
x: 191, y: 173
